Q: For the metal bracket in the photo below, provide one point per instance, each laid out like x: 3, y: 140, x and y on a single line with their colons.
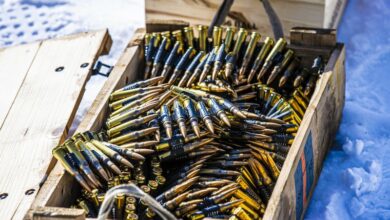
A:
x: 102, y: 69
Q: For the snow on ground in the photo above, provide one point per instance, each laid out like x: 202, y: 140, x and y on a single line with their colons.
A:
x: 23, y: 21
x: 355, y: 181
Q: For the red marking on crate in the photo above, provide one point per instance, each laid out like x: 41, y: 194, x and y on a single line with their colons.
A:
x: 304, y: 177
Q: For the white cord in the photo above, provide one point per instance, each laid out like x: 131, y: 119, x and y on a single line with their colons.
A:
x: 132, y: 190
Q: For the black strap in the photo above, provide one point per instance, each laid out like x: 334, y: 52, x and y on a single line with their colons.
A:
x: 273, y: 18
x: 224, y: 9
x: 220, y: 16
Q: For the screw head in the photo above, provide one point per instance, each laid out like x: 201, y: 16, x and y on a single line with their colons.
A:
x: 59, y: 69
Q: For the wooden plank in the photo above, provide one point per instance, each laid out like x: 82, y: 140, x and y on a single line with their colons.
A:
x: 320, y: 2
x: 46, y: 213
x: 312, y: 42
x: 292, y: 191
x: 313, y: 37
x: 14, y: 64
x: 308, y: 13
x: 126, y: 70
x: 165, y: 25
x: 41, y: 115
x: 56, y: 191
x: 333, y: 13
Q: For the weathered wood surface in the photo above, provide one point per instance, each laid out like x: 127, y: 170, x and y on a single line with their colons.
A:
x: 47, y: 213
x: 316, y: 133
x: 306, y: 13
x: 334, y: 10
x: 165, y: 25
x: 41, y: 114
x: 313, y: 38
x: 56, y: 191
x: 329, y: 95
x: 14, y: 65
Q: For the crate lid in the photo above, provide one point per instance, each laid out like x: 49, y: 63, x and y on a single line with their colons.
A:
x: 42, y: 84
x: 292, y: 13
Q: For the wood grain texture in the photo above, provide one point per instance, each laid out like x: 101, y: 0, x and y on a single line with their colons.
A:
x: 165, y: 25
x: 313, y: 38
x: 56, y: 191
x: 333, y: 13
x: 41, y: 115
x: 321, y: 121
x: 46, y: 213
x: 125, y: 70
x: 14, y: 65
x: 307, y: 13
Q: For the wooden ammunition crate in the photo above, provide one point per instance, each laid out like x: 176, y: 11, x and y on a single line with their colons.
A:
x: 303, y: 164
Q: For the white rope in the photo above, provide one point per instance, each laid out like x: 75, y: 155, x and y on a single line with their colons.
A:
x: 133, y: 190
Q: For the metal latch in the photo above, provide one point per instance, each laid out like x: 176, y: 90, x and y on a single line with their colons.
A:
x: 102, y: 69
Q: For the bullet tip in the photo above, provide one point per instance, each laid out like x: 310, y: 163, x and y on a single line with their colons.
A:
x: 282, y: 81
x: 297, y: 81
x: 127, y: 163
x: 103, y: 174
x: 197, y: 131
x: 116, y: 169
x: 210, y: 127
x: 240, y: 114
x: 226, y: 120
x: 137, y: 156
x: 183, y: 129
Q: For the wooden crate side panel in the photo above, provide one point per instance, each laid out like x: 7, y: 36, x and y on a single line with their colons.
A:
x: 313, y: 38
x: 291, y: 12
x: 127, y: 69
x: 328, y: 114
x: 303, y: 164
x: 165, y: 25
x: 283, y: 202
x: 57, y: 191
x: 338, y: 79
x: 126, y: 72
x: 329, y: 111
x: 41, y: 115
x: 47, y: 213
x: 14, y: 65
